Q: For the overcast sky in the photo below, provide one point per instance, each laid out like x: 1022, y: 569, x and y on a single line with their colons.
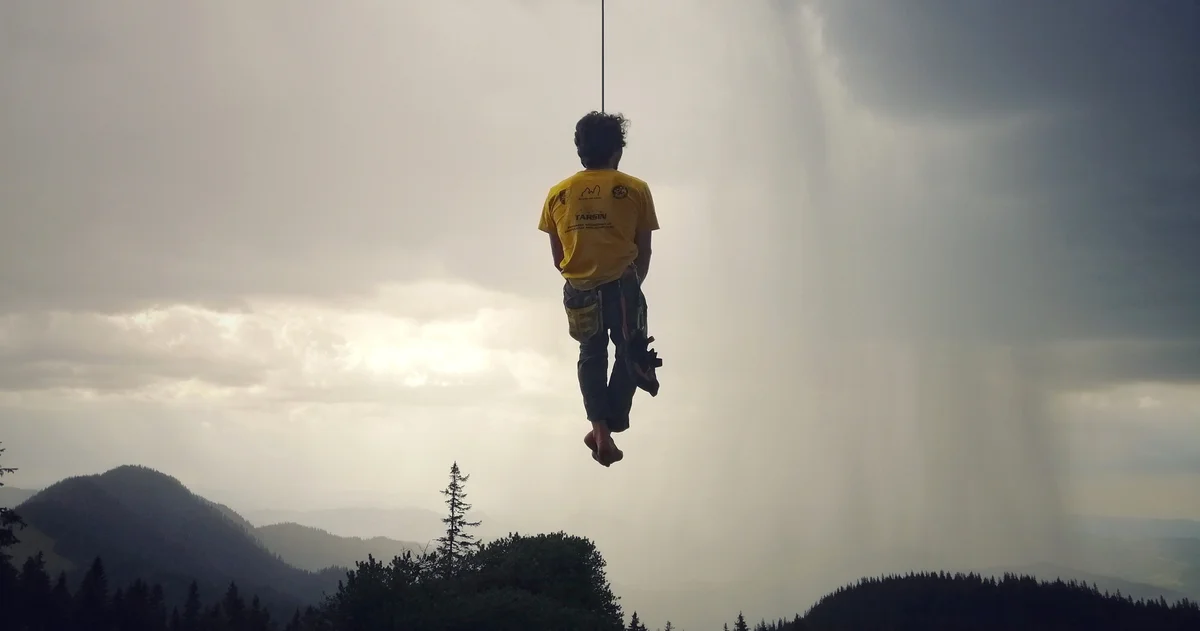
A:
x: 286, y: 252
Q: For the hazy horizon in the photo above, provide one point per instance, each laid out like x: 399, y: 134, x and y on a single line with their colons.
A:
x: 924, y: 286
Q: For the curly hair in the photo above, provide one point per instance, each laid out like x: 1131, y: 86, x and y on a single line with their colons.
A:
x: 599, y: 135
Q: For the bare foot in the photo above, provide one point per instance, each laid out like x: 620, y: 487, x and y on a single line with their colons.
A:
x: 604, y: 450
x: 590, y: 440
x: 613, y: 457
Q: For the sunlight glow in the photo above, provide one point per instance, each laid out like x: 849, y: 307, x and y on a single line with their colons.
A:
x: 417, y: 336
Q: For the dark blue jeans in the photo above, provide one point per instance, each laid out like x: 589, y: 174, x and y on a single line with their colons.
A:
x: 614, y: 311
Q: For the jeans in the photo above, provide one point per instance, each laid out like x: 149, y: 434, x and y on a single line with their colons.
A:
x: 622, y: 312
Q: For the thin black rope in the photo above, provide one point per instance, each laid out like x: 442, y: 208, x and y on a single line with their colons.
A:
x: 601, y: 55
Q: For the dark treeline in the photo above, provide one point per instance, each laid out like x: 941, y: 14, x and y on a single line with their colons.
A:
x: 940, y: 600
x: 518, y: 583
x: 543, y: 582
x: 34, y: 602
x: 548, y: 581
x: 535, y: 583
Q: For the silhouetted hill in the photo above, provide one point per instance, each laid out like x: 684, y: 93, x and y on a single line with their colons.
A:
x: 970, y: 602
x: 314, y: 549
x: 695, y: 605
x: 148, y: 525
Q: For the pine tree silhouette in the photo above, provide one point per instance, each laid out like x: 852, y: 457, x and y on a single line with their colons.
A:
x: 259, y: 619
x: 59, y: 614
x: 157, y: 608
x: 10, y: 521
x: 234, y: 607
x: 192, y: 609
x: 35, y: 591
x: 457, y: 544
x: 740, y: 623
x: 635, y: 623
x: 90, y: 606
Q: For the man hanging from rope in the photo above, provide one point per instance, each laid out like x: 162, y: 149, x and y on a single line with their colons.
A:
x: 599, y: 221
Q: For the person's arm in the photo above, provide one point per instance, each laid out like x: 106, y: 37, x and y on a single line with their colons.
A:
x: 642, y: 263
x: 546, y: 224
x: 556, y: 249
x: 647, y: 223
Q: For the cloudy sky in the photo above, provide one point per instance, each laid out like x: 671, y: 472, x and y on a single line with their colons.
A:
x: 286, y: 252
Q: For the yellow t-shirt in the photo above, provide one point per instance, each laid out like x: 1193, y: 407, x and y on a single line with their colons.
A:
x: 596, y: 214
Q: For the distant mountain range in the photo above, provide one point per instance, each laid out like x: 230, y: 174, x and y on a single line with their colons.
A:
x: 145, y: 524
x: 409, y: 524
x: 304, y: 546
x: 314, y: 549
x: 418, y: 525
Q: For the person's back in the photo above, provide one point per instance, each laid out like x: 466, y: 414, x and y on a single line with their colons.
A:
x: 597, y: 214
x: 599, y: 221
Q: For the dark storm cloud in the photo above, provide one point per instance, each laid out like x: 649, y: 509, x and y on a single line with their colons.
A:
x: 1101, y: 238
x: 1166, y: 359
x: 939, y: 58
